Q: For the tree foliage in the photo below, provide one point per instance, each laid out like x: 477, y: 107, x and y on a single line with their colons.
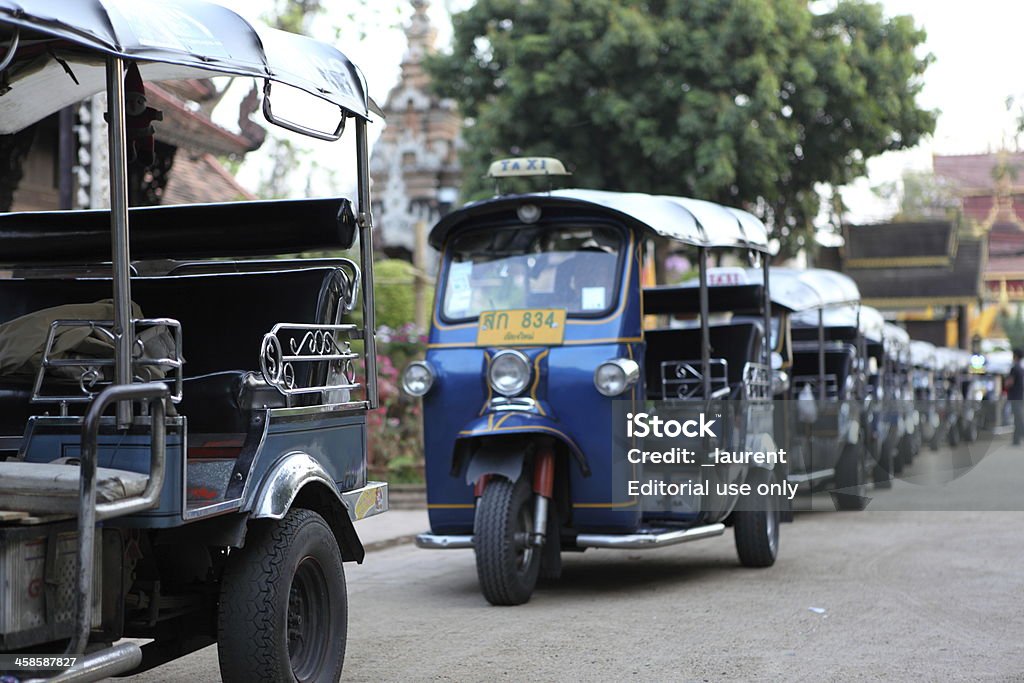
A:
x: 747, y: 102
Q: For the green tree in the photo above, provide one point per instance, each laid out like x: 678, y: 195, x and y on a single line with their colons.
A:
x: 395, y: 293
x: 749, y: 102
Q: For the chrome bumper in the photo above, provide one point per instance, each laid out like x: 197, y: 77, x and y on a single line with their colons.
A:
x: 368, y: 501
x: 649, y: 540
x: 438, y: 542
x: 640, y: 541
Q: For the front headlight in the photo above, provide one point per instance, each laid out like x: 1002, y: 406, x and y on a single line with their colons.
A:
x: 418, y: 378
x: 615, y: 376
x: 509, y: 373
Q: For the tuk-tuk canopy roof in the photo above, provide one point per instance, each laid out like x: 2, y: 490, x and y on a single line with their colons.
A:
x: 742, y: 289
x: 61, y: 45
x: 922, y: 354
x: 690, y: 221
x: 870, y: 321
x: 895, y: 333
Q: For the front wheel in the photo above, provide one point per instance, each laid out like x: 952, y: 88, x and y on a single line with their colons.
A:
x: 850, y: 479
x: 283, y: 613
x: 507, y: 563
x: 756, y: 531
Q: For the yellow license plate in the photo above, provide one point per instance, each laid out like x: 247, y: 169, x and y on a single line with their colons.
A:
x: 531, y: 327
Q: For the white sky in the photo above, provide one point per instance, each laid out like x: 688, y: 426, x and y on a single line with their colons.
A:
x: 976, y: 47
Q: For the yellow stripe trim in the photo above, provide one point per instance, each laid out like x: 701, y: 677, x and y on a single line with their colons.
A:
x: 450, y: 506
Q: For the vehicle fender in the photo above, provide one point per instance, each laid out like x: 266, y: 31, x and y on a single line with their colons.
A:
x: 299, y: 480
x: 761, y: 442
x: 516, y: 423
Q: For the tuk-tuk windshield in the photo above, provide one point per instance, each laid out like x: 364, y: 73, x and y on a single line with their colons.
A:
x: 568, y: 267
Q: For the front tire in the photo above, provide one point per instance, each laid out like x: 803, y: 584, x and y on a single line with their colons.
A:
x: 507, y: 565
x: 756, y: 531
x: 283, y: 613
x: 850, y: 479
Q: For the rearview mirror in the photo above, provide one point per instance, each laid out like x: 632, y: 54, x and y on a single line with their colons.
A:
x: 300, y: 112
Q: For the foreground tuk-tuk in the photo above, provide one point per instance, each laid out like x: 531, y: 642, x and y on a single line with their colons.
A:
x: 216, y: 503
x: 538, y: 355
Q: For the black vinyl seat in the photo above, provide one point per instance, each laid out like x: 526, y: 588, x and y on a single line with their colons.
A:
x: 736, y: 343
x: 838, y: 362
x: 223, y: 320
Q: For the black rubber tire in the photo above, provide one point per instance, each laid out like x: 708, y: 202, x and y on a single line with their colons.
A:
x: 287, y: 582
x: 756, y: 531
x: 971, y: 432
x: 904, y: 454
x: 884, y: 470
x: 850, y: 479
x: 506, y: 576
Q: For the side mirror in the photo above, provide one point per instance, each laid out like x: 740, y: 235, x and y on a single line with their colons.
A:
x: 296, y: 110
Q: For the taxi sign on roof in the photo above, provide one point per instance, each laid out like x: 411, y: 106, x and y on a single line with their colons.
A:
x: 719, y: 277
x: 523, y: 167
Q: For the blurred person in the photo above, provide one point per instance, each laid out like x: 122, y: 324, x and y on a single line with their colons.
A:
x: 1015, y: 395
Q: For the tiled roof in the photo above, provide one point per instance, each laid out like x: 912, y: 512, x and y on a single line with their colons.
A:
x: 194, y: 130
x: 907, y: 262
x: 976, y: 171
x: 895, y: 240
x: 201, y: 179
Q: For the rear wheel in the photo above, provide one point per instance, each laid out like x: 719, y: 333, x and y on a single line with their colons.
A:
x: 884, y: 466
x: 283, y: 613
x: 850, y: 479
x: 507, y: 564
x: 756, y: 531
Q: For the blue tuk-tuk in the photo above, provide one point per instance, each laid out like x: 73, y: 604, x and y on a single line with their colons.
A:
x: 182, y: 421
x: 537, y: 347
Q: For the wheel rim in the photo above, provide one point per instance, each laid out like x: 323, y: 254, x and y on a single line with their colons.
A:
x: 308, y: 617
x: 521, y: 538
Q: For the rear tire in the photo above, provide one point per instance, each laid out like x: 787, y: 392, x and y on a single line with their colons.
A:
x: 283, y: 613
x: 850, y: 479
x: 884, y: 472
x: 506, y: 565
x: 756, y: 531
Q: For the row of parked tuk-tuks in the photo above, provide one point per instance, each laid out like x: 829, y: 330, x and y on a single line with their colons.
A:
x: 546, y: 336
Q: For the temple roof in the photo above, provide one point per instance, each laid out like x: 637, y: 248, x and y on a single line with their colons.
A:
x: 899, y: 265
x: 979, y: 172
x: 201, y: 179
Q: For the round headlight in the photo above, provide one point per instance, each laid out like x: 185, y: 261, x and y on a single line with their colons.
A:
x: 509, y: 373
x: 615, y: 376
x: 418, y: 378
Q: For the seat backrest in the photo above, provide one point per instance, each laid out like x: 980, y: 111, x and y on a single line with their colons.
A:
x: 838, y: 363
x: 223, y: 317
x: 737, y: 343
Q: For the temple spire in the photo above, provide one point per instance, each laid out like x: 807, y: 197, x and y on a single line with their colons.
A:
x: 420, y: 33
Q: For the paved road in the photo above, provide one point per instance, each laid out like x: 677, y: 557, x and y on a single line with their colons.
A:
x: 854, y: 596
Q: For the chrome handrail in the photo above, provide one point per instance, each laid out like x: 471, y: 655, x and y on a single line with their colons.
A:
x: 318, y: 343
x: 90, y: 375
x: 154, y: 393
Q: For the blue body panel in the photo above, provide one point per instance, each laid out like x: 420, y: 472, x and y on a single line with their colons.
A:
x: 569, y: 408
x: 336, y: 440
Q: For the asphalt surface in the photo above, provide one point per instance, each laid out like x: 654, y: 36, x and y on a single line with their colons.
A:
x: 873, y: 595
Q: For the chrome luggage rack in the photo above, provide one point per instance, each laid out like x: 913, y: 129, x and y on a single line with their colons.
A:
x: 308, y: 344
x: 91, y: 376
